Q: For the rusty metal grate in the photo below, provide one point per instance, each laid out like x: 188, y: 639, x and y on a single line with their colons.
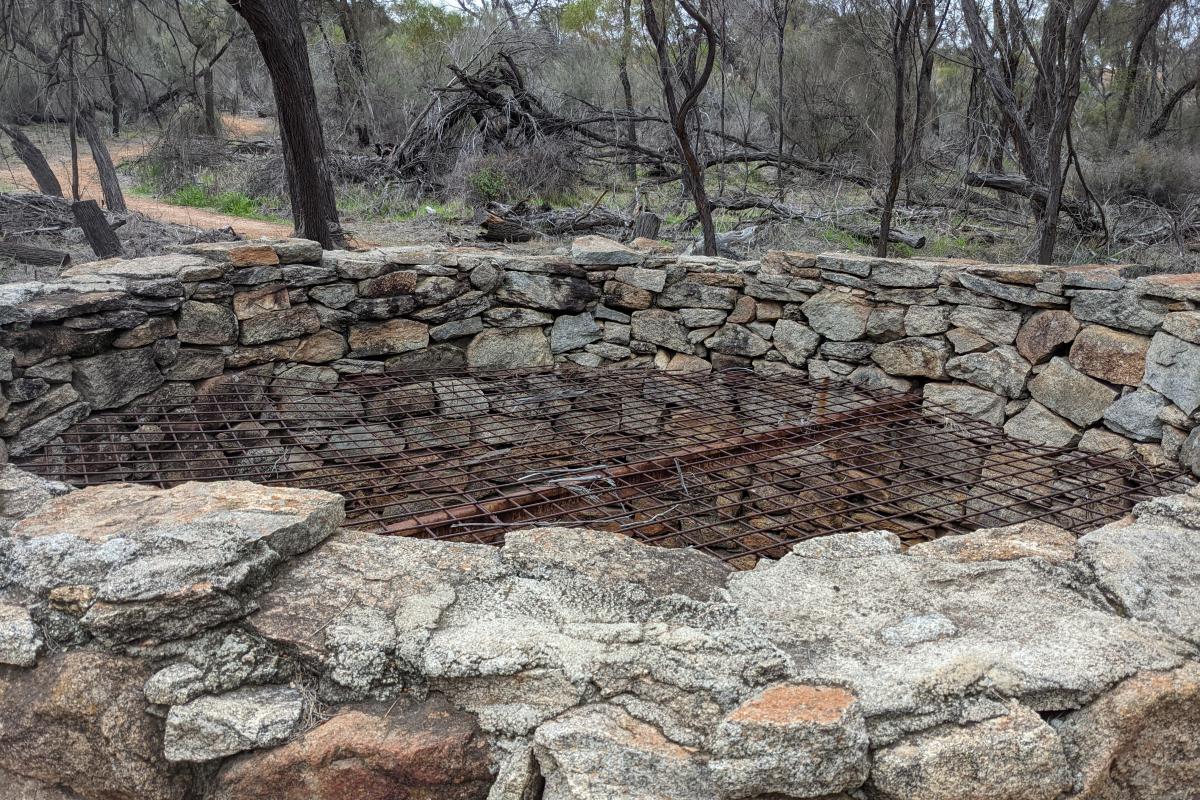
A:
x: 739, y: 464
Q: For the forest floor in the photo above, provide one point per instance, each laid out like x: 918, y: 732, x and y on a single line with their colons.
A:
x: 53, y: 142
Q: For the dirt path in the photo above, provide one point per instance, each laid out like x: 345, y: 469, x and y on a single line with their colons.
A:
x: 89, y: 188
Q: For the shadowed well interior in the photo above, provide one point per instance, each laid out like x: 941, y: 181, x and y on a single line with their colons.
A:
x: 738, y: 464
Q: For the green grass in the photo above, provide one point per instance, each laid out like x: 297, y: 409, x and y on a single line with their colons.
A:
x: 235, y: 204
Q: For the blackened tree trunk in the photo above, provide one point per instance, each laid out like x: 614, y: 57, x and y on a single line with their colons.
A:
x: 280, y: 37
x: 110, y: 183
x: 34, y: 161
x: 902, y: 25
x: 626, y: 86
x: 96, y: 229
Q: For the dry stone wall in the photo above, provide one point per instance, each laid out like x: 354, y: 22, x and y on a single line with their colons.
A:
x: 1105, y: 357
x: 227, y: 641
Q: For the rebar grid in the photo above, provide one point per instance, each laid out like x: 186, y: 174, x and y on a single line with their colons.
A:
x: 739, y: 464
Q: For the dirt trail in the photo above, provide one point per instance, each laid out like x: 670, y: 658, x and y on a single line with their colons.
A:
x: 89, y: 187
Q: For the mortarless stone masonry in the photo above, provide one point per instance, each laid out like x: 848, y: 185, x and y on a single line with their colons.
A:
x: 226, y: 640
x: 1059, y: 356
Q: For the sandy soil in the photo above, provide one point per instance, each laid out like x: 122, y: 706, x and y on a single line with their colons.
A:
x: 125, y: 149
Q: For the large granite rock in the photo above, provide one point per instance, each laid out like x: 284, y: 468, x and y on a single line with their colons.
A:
x: 22, y: 493
x: 1071, y: 394
x: 115, y: 378
x: 601, y: 251
x: 1012, y: 757
x: 916, y: 355
x: 140, y: 562
x: 416, y: 751
x: 661, y: 327
x: 1110, y: 355
x: 1173, y: 368
x: 79, y: 721
x: 1001, y: 370
x: 837, y: 316
x: 1045, y: 332
x: 215, y: 726
x: 509, y: 348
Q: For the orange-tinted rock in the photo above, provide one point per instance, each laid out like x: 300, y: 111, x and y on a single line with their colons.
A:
x: 1023, y: 540
x: 1110, y: 355
x: 426, y: 751
x: 1140, y: 741
x: 1044, y: 332
x: 79, y: 721
x: 253, y: 255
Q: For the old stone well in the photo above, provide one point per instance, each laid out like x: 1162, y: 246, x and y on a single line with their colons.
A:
x: 432, y: 522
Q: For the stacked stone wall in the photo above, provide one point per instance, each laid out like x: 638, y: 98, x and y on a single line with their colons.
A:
x: 1103, y: 357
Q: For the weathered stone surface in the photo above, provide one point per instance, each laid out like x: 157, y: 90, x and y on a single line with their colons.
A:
x: 1001, y: 370
x: 508, y: 348
x: 79, y: 721
x: 1013, y: 757
x: 510, y: 317
x: 258, y: 301
x: 795, y: 341
x: 1024, y: 540
x: 215, y: 726
x: 1138, y: 740
x: 1136, y: 415
x: 403, y: 282
x: 998, y: 327
x: 661, y: 327
x: 1184, y: 325
x: 1143, y: 567
x: 1110, y: 355
x: 22, y: 493
x: 622, y: 295
x: 165, y: 563
x: 334, y: 295
x: 737, y: 340
x: 794, y: 739
x: 45, y: 430
x: 652, y: 280
x: 1098, y: 440
x: 193, y: 363
x: 926, y: 320
x: 1071, y: 394
x: 1173, y: 368
x: 1022, y: 295
x: 601, y: 251
x: 1123, y: 309
x: 207, y: 323
x: 387, y: 338
x: 22, y: 415
x: 703, y: 317
x: 573, y: 331
x: 915, y: 355
x: 115, y: 378
x: 20, y: 640
x: 275, y: 325
x: 1045, y: 332
x: 1040, y: 425
x: 549, y: 292
x: 838, y: 316
x: 970, y: 400
x: 425, y: 751
x: 691, y: 293
x: 906, y: 274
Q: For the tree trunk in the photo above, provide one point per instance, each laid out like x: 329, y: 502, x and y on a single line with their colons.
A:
x: 100, y: 235
x: 1159, y: 125
x: 626, y: 87
x: 110, y: 183
x: 1147, y: 21
x: 34, y: 161
x: 901, y: 30
x: 280, y: 37
x: 210, y: 104
x: 110, y: 72
x: 646, y: 225
x: 693, y: 168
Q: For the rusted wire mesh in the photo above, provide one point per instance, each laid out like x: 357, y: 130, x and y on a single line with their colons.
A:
x: 738, y: 464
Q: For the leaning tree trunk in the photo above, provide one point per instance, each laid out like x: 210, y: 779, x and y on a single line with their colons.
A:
x: 110, y: 183
x: 34, y: 161
x: 280, y: 38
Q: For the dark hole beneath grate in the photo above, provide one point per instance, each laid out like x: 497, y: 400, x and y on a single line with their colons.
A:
x: 738, y: 464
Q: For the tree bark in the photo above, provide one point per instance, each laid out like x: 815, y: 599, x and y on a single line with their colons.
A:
x: 1159, y: 125
x: 280, y: 37
x: 902, y: 24
x: 626, y: 87
x: 110, y: 183
x: 110, y: 73
x: 34, y: 161
x: 96, y: 229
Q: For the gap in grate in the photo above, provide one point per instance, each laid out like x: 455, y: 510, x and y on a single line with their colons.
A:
x: 735, y: 463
